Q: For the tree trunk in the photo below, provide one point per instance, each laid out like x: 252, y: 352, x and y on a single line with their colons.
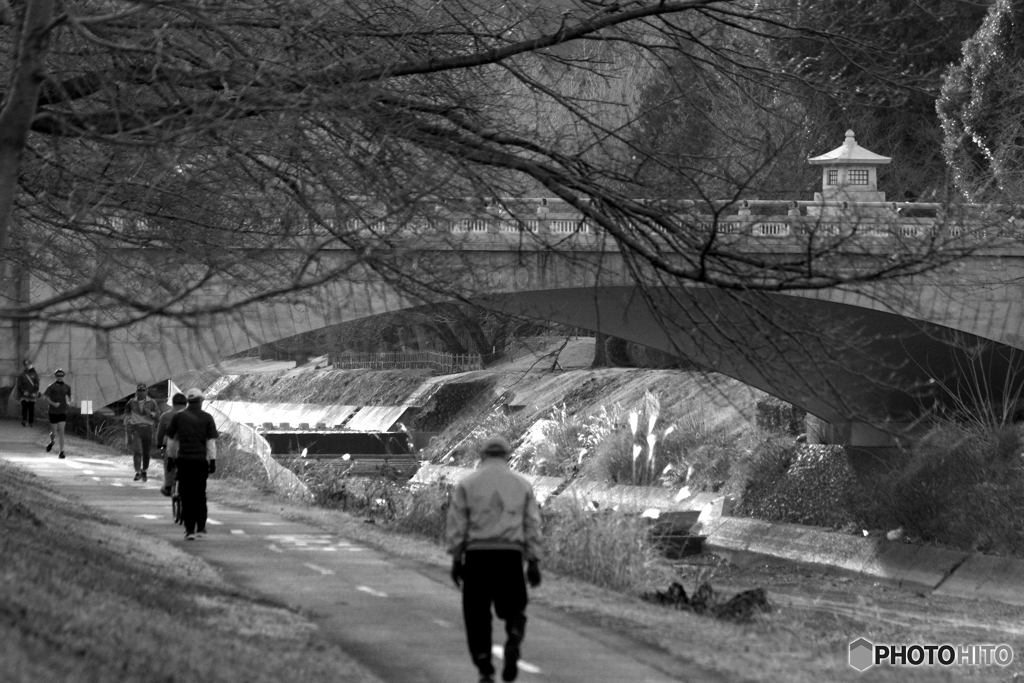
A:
x: 20, y: 105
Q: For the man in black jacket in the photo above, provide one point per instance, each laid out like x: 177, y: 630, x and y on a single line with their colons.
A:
x: 192, y: 442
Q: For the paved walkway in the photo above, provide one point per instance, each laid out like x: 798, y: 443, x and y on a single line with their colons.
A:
x: 403, y: 625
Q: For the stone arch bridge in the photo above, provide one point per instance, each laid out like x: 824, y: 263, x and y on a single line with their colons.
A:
x: 860, y: 360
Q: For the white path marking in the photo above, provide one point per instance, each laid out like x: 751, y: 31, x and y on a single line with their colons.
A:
x: 275, y: 548
x: 72, y: 463
x: 442, y: 623
x: 117, y: 483
x: 324, y: 543
x: 149, y: 516
x: 239, y: 532
x: 214, y: 522
x: 103, y: 463
x: 267, y: 524
x: 88, y: 471
x: 499, y: 651
x: 95, y: 478
x: 372, y: 591
x: 323, y: 570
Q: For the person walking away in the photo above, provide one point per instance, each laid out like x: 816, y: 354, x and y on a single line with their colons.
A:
x: 493, y: 525
x: 192, y: 442
x: 57, y: 396
x: 28, y: 393
x: 140, y: 417
x: 178, y: 403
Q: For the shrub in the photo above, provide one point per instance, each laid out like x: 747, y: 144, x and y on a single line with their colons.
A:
x: 691, y: 451
x: 775, y: 415
x: 801, y: 484
x: 641, y: 356
x: 237, y: 463
x: 962, y: 487
x: 617, y: 352
x: 423, y: 511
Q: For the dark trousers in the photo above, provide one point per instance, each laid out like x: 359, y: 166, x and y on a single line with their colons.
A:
x: 142, y: 443
x: 492, y: 577
x: 28, y: 411
x: 192, y: 475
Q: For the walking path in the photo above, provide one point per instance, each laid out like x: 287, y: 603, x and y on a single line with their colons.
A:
x: 403, y: 625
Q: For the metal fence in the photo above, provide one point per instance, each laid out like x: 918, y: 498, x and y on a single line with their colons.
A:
x: 439, y: 361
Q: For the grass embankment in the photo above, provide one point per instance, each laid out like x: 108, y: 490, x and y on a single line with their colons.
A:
x: 84, y: 600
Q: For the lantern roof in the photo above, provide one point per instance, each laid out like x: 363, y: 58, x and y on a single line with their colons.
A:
x: 850, y: 153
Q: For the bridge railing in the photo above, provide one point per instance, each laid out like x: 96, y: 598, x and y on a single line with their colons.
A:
x: 751, y: 218
x: 786, y: 226
x: 439, y: 361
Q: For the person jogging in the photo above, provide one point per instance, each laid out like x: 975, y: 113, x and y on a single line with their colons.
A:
x: 140, y: 418
x: 493, y: 525
x: 57, y: 396
x: 192, y: 442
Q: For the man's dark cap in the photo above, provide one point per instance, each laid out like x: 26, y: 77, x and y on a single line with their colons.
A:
x: 496, y: 445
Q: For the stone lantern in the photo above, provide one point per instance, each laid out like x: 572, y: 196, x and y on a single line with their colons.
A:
x: 849, y: 173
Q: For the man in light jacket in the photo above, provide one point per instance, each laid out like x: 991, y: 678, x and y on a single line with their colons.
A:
x: 493, y: 526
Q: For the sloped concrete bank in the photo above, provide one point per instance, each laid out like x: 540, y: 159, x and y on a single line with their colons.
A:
x: 743, y: 541
x: 282, y: 480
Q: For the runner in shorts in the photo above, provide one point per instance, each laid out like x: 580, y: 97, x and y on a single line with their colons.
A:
x: 57, y: 396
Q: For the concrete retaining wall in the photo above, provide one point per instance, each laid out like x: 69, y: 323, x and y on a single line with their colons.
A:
x: 746, y: 540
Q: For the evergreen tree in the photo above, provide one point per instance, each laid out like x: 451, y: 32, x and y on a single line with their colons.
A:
x: 980, y: 108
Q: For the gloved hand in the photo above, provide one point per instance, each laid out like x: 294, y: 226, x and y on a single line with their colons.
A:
x: 457, y: 571
x: 533, y: 573
x: 213, y: 466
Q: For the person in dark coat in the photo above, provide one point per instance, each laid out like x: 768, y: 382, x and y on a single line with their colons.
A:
x: 28, y: 393
x: 192, y: 442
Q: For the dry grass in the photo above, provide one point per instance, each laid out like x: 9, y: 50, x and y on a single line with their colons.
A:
x: 602, y: 548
